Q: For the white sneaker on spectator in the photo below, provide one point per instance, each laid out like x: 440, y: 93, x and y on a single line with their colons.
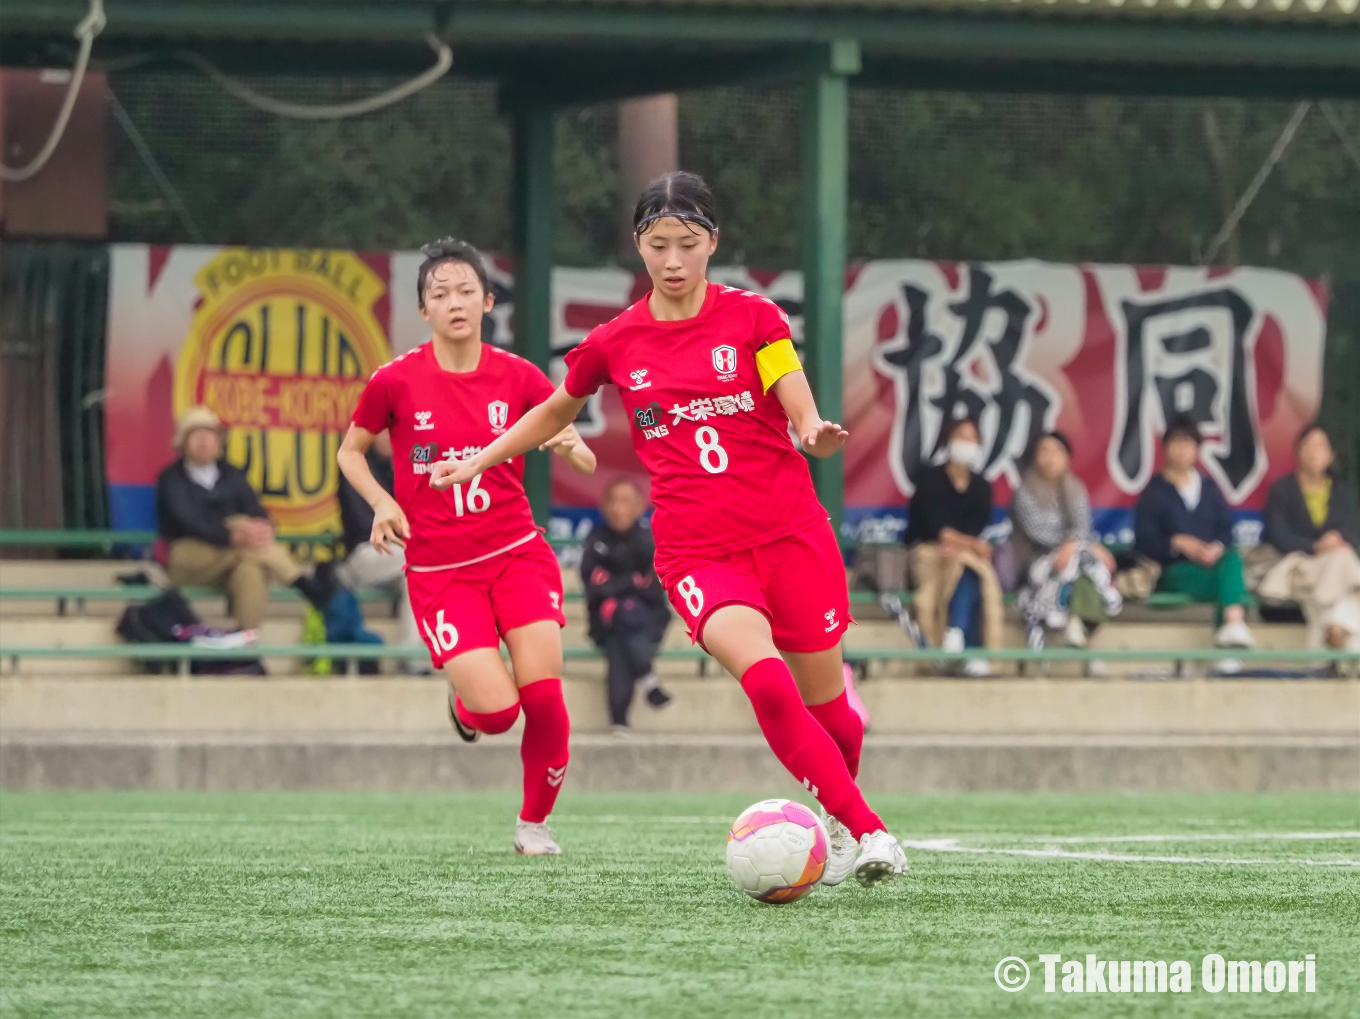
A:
x: 535, y: 839
x: 1236, y: 634
x: 977, y: 668
x: 1074, y: 633
x: 880, y: 859
x: 953, y: 640
x: 842, y: 849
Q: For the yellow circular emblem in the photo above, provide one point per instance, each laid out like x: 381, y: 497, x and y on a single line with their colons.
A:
x: 281, y: 346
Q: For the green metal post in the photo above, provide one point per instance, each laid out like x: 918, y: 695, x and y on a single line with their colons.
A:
x: 825, y: 158
x: 534, y: 213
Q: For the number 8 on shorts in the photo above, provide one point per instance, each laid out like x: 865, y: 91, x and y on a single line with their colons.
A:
x: 694, y: 598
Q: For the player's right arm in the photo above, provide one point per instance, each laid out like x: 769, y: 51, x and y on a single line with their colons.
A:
x: 389, y: 522
x: 536, y: 427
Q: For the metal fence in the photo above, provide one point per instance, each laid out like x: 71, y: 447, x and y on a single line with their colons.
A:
x: 932, y: 174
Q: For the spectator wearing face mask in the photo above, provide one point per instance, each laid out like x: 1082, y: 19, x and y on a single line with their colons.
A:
x: 958, y: 598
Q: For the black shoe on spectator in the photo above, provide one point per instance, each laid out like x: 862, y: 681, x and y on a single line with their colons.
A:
x: 658, y: 698
x: 320, y: 587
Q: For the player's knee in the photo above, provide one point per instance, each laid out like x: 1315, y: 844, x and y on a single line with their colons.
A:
x: 770, y: 688
x: 490, y: 722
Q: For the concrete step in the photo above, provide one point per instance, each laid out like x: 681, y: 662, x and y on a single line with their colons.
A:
x: 672, y: 764
x: 715, y: 704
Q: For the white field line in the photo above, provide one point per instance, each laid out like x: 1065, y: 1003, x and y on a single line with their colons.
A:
x: 952, y: 846
x: 1291, y: 836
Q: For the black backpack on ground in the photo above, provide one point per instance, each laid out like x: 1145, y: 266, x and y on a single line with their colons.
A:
x: 155, y: 622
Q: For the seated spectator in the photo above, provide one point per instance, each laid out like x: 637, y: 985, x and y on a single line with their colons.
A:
x: 628, y: 610
x: 1068, y: 575
x: 1312, y: 519
x: 958, y: 597
x: 1183, y: 522
x: 364, y: 565
x: 217, y: 532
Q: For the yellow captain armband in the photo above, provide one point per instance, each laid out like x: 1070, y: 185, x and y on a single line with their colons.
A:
x: 775, y: 360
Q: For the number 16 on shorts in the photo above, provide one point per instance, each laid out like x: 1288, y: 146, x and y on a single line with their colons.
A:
x: 443, y: 635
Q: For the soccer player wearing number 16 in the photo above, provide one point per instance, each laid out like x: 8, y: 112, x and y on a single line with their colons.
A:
x: 477, y: 569
x: 711, y: 382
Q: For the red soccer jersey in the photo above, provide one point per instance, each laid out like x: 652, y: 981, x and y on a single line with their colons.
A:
x: 725, y: 473
x: 434, y: 415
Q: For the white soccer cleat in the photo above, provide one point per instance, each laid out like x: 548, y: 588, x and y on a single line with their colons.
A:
x: 841, y: 851
x: 880, y: 859
x: 535, y: 839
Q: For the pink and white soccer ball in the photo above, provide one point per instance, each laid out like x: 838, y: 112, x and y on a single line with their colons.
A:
x: 776, y: 850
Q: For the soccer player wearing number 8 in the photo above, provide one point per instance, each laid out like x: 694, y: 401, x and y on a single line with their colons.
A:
x: 477, y: 569
x: 711, y: 383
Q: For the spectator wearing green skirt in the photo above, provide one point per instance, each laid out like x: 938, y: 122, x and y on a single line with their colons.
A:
x: 1183, y: 522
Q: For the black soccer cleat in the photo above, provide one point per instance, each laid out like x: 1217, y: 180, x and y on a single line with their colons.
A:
x: 465, y: 734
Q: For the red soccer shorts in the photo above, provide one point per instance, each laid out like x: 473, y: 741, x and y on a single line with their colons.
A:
x: 797, y: 582
x: 474, y: 606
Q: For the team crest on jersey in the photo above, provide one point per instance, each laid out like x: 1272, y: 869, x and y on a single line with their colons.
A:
x: 639, y: 378
x: 648, y: 418
x: 423, y: 421
x: 497, y: 412
x: 725, y: 362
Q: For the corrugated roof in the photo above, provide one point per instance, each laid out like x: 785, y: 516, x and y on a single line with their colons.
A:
x: 1344, y: 11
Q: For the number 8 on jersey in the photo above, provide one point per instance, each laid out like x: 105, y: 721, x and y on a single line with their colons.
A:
x: 712, y: 457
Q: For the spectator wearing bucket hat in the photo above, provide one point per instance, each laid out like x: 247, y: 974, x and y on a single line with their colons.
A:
x: 217, y: 532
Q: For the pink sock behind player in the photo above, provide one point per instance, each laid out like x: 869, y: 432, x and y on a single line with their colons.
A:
x: 489, y: 722
x: 544, y: 748
x: 845, y: 726
x: 803, y: 746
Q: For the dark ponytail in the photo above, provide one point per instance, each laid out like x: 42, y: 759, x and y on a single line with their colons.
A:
x: 679, y: 194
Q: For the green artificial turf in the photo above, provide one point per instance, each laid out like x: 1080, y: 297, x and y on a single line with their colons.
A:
x: 293, y: 905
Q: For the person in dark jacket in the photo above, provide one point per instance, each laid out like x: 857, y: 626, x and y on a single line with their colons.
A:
x: 364, y: 565
x: 1313, y: 520
x: 627, y: 606
x: 217, y: 532
x: 1183, y: 522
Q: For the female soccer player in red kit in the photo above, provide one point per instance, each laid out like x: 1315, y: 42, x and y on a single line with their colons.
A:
x: 477, y: 569
x: 710, y: 380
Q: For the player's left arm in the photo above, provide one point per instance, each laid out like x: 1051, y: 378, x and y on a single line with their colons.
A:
x: 819, y: 438
x: 569, y: 445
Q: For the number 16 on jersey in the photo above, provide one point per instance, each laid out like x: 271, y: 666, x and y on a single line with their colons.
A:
x: 478, y: 499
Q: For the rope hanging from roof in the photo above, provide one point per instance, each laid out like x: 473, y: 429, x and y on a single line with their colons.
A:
x: 90, y: 26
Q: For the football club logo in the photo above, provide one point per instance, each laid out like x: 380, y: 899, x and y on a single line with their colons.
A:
x: 497, y: 412
x: 725, y: 361
x: 423, y: 421
x: 280, y: 347
x: 639, y: 378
